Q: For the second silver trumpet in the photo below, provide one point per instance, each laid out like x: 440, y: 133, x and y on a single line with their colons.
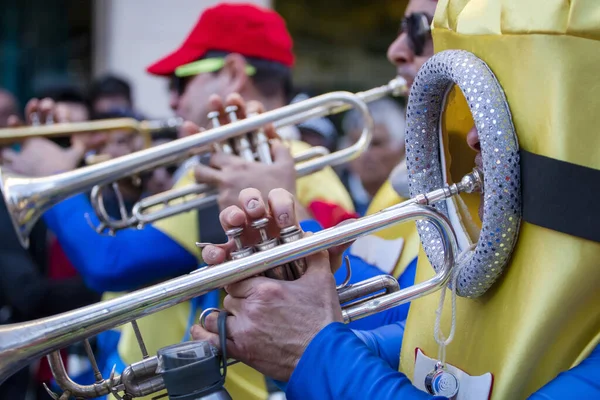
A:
x: 28, y: 198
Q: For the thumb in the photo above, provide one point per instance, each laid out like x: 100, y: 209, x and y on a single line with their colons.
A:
x: 13, y: 121
x: 76, y: 152
x: 318, y: 263
x: 189, y: 128
x: 281, y: 153
x: 61, y: 113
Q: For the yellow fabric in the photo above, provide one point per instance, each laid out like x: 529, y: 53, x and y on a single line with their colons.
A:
x: 182, y: 228
x: 385, y: 197
x: 169, y: 326
x: 542, y: 316
x: 323, y: 185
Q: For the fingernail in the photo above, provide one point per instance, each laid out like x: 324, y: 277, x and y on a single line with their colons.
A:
x: 212, y: 254
x: 252, y: 204
x: 283, y: 218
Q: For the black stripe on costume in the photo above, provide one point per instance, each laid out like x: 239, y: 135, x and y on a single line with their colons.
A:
x: 561, y: 196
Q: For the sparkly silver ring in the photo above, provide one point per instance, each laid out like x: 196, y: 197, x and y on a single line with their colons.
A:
x: 500, y: 154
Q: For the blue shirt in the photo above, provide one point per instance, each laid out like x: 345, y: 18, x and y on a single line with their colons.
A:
x: 129, y: 260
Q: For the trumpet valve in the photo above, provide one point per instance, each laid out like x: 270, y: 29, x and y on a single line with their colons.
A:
x: 242, y: 144
x: 267, y: 243
x: 213, y: 116
x: 260, y: 142
x: 232, y: 112
x: 289, y: 235
x: 242, y: 251
x: 261, y: 226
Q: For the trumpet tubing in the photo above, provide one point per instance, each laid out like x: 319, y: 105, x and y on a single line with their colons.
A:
x: 252, y: 146
x: 196, y: 196
x: 28, y: 198
x: 11, y: 135
x: 20, y: 344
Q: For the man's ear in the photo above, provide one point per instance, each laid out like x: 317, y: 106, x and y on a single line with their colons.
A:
x: 235, y: 72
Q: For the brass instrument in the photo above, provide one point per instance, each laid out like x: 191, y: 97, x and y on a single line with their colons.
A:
x: 22, y: 343
x: 144, y: 128
x: 28, y: 198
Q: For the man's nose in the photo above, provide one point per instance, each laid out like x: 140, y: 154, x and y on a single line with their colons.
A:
x: 399, y: 52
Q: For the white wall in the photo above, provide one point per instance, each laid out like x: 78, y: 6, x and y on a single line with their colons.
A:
x: 129, y: 35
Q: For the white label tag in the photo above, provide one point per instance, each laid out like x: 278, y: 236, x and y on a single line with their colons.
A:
x: 383, y: 254
x: 470, y: 387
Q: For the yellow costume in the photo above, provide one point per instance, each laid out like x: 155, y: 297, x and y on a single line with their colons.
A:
x: 541, y: 317
x: 169, y: 326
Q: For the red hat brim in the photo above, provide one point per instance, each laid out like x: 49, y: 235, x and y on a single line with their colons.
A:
x: 167, y: 65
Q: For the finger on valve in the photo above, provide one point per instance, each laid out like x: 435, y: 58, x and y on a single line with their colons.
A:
x: 232, y: 218
x: 46, y: 110
x: 32, y: 116
x: 218, y: 107
x: 282, y: 206
x: 253, y: 204
x: 254, y: 108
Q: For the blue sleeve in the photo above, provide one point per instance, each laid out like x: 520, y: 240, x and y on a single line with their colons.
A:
x: 130, y: 259
x: 385, y: 342
x: 339, y: 365
x: 310, y: 225
x: 361, y: 271
x: 579, y: 382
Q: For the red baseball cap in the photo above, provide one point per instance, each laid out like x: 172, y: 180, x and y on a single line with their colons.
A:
x: 246, y: 29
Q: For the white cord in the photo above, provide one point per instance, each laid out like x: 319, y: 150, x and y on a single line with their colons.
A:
x: 441, y: 340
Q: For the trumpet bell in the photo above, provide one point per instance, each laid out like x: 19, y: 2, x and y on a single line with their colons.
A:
x: 23, y: 202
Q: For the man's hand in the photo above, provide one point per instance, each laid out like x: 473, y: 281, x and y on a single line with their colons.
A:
x: 41, y: 156
x: 272, y: 321
x: 232, y: 173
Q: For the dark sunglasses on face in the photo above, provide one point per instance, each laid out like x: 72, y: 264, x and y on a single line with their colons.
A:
x: 418, y: 30
x: 178, y: 84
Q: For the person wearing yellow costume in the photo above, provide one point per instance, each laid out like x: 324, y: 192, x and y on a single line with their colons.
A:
x: 525, y: 320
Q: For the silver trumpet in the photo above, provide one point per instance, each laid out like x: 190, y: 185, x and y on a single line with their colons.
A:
x: 28, y: 198
x: 22, y: 343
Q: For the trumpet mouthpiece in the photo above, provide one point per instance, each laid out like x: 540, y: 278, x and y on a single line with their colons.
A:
x: 398, y: 86
x: 472, y: 182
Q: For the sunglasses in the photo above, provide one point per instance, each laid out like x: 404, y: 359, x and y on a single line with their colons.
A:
x: 185, y: 73
x: 418, y: 30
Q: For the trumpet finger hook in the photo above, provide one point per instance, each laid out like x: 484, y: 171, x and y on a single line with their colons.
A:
x: 348, y: 274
